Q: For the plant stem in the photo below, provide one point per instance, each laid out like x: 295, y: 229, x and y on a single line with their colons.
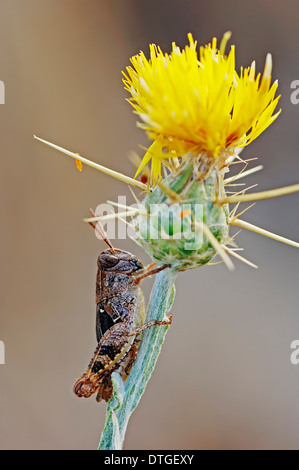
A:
x: 126, y: 395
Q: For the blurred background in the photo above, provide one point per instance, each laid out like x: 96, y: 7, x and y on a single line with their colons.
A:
x: 224, y: 379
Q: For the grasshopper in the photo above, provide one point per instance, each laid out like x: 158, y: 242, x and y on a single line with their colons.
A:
x: 120, y: 318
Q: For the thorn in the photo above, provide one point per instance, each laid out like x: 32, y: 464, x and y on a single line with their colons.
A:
x: 243, y: 174
x: 216, y: 245
x: 134, y: 196
x: 254, y: 228
x: 114, y: 215
x: 234, y: 217
x: 132, y: 226
x: 239, y: 257
x: 121, y: 206
x: 103, y: 169
x: 240, y: 160
x: 234, y: 184
x: 261, y: 195
x: 232, y: 213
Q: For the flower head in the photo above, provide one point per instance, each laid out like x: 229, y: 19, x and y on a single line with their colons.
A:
x: 199, y: 112
x: 198, y: 103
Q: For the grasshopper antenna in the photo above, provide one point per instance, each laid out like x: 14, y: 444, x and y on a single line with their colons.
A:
x: 100, y: 231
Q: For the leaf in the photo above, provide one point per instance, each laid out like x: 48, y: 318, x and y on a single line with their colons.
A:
x: 127, y: 396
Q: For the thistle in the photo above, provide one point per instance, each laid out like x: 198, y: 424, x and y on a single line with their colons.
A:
x: 199, y: 113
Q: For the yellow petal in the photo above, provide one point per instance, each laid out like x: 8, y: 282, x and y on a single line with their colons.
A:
x: 79, y: 164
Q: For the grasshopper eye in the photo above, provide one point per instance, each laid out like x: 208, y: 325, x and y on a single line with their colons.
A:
x: 107, y: 260
x: 136, y: 264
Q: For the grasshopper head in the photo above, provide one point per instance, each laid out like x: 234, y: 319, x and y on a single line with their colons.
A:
x: 119, y: 261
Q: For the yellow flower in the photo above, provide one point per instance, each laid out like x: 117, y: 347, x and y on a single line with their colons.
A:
x: 198, y: 104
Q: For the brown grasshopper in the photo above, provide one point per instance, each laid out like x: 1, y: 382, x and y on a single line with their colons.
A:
x: 119, y: 318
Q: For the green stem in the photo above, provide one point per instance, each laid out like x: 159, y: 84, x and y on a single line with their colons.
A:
x: 126, y: 395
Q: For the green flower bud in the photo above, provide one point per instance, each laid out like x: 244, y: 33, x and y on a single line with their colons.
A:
x: 173, y: 232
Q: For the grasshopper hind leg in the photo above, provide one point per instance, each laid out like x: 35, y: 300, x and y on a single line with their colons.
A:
x: 105, y: 389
